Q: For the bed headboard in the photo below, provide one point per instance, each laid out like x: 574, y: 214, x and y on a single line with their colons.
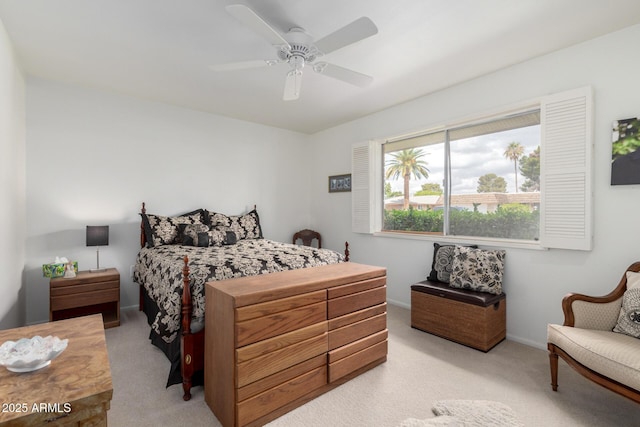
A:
x: 143, y: 236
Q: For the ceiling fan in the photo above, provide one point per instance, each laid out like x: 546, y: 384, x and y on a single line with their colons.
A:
x: 297, y: 49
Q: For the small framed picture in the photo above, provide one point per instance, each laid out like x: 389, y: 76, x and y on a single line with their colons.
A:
x: 339, y: 183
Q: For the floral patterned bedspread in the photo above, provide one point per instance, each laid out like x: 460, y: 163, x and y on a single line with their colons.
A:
x: 159, y: 270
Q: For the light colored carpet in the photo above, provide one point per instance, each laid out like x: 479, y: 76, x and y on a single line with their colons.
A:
x: 421, y: 369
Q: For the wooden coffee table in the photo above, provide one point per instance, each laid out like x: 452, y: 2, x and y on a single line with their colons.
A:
x: 75, y: 389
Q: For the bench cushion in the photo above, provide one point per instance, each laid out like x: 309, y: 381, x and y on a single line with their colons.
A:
x: 443, y: 290
x: 609, y: 353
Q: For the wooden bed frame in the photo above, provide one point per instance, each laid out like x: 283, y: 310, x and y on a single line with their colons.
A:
x: 191, y: 344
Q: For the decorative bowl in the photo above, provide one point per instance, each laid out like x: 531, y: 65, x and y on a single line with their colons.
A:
x: 30, y: 354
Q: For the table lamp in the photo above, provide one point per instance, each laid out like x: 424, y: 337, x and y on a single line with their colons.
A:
x: 97, y: 235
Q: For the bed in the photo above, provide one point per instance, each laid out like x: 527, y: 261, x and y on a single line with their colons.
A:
x: 179, y: 254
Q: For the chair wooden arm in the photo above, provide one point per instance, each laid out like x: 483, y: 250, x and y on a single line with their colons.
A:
x: 569, y: 299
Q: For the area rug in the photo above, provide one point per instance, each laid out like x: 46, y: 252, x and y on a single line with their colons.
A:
x: 467, y: 413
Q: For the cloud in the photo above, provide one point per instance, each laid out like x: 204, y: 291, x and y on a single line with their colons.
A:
x: 473, y: 157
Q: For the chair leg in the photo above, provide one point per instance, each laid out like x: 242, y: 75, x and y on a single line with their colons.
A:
x: 553, y: 364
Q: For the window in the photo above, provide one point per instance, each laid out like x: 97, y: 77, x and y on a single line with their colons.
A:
x: 479, y: 179
x: 449, y: 195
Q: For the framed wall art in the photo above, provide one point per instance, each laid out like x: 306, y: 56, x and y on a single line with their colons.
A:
x: 339, y: 183
x: 625, y: 152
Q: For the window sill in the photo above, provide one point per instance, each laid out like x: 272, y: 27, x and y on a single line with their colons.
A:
x: 464, y: 240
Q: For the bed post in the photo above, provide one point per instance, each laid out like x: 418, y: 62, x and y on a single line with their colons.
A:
x: 143, y: 237
x: 346, y: 251
x: 143, y: 242
x: 186, y: 345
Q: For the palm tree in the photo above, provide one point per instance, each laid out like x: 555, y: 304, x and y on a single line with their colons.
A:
x: 513, y: 152
x: 404, y: 164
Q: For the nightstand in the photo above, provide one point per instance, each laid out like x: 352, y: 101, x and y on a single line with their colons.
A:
x: 87, y: 293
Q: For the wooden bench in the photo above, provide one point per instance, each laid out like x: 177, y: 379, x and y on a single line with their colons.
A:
x: 475, y: 319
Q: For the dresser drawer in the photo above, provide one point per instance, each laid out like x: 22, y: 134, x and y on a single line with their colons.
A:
x: 352, y: 288
x: 279, y: 305
x: 355, y: 331
x: 347, y: 319
x: 352, y: 363
x: 347, y: 304
x: 281, y: 395
x: 356, y: 346
x: 271, y: 363
x: 276, y: 343
x: 256, y: 387
x: 260, y: 328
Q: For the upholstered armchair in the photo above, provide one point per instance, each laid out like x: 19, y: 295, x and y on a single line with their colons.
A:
x: 587, y: 341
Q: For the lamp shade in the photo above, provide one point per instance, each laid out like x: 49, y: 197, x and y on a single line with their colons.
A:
x: 97, y: 235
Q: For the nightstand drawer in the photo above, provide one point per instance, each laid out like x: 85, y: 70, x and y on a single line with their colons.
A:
x: 83, y: 299
x: 80, y: 289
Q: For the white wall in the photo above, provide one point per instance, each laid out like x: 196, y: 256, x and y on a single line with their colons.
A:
x: 93, y: 157
x: 535, y: 281
x: 12, y: 186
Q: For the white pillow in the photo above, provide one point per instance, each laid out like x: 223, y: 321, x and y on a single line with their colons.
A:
x: 633, y: 280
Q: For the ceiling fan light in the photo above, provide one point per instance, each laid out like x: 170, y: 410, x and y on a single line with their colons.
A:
x: 297, y: 63
x: 292, y: 85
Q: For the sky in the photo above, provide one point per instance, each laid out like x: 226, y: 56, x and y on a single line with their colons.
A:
x: 474, y: 157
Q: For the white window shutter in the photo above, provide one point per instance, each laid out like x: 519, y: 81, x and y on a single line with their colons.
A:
x: 365, y: 167
x: 566, y: 170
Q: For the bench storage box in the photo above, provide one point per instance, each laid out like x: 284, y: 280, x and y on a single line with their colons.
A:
x: 475, y: 319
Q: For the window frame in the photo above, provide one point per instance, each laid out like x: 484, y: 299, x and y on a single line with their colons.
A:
x: 566, y: 127
x: 511, y: 120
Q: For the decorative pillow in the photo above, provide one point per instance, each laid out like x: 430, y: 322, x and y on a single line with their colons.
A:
x: 219, y: 236
x: 164, y: 230
x: 195, y: 234
x: 245, y: 226
x: 477, y: 269
x: 442, y: 262
x: 629, y: 319
x: 633, y: 280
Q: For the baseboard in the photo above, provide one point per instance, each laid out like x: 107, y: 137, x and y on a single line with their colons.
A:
x: 399, y: 304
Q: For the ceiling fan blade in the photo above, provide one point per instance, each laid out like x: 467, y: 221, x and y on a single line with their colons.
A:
x: 344, y: 74
x: 249, y: 18
x: 243, y: 65
x: 357, y: 30
x: 292, y: 85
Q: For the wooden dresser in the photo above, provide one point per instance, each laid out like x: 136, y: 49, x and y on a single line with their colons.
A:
x: 276, y: 341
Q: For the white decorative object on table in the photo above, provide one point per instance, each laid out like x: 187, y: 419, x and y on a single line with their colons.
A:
x: 69, y: 271
x: 30, y: 354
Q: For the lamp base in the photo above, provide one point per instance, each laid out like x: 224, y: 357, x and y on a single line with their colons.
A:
x: 98, y: 270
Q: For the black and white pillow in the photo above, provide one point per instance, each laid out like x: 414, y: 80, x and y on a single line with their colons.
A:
x: 245, y: 226
x: 477, y: 269
x: 442, y: 262
x: 629, y: 318
x: 195, y: 234
x: 222, y: 236
x: 165, y: 230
